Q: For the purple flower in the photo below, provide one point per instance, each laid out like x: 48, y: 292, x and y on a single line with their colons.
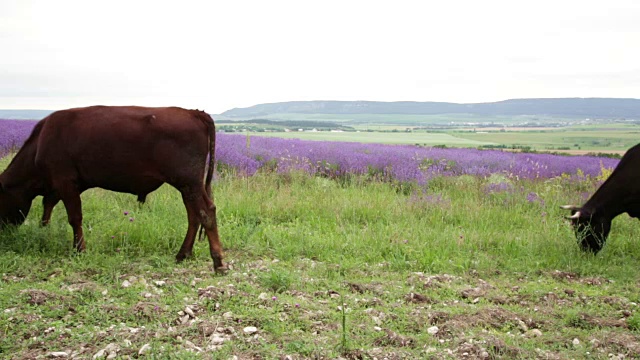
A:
x: 126, y: 213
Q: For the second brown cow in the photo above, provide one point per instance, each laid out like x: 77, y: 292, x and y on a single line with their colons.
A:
x: 126, y: 149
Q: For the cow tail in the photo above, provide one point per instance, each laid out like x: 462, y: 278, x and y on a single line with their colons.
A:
x: 211, y: 130
x: 212, y: 152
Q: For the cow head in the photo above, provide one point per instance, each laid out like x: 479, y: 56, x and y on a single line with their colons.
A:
x: 591, y: 229
x: 13, y: 208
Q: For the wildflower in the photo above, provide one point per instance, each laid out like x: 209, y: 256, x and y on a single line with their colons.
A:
x: 126, y: 213
x: 130, y: 219
x: 297, y: 305
x: 274, y: 298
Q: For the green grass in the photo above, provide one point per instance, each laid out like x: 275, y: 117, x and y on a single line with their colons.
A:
x: 324, y: 270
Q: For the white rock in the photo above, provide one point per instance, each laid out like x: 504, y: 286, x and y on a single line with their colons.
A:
x: 250, y: 330
x: 217, y: 339
x: 377, y: 328
x: 192, y: 346
x: 189, y: 312
x: 227, y: 315
x: 58, y: 354
x: 100, y: 354
x: 576, y: 342
x: 126, y: 284
x: 433, y: 330
x: 160, y: 283
x: 534, y: 333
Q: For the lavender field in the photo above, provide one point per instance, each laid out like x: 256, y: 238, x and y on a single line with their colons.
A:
x: 245, y: 156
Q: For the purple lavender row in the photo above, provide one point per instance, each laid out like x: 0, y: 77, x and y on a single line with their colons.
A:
x: 394, y: 162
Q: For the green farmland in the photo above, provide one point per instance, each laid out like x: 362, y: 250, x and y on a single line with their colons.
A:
x: 573, y: 139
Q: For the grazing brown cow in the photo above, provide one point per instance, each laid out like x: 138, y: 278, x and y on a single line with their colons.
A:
x: 126, y: 149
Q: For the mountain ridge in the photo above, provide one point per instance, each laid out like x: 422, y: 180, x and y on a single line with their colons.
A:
x: 562, y: 107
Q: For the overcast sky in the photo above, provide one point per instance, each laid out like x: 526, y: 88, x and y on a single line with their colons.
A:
x: 217, y: 55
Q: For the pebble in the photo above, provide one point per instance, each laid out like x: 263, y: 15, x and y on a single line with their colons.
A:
x: 250, y: 330
x: 58, y: 354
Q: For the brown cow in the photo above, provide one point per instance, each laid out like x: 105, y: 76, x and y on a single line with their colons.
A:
x: 126, y: 149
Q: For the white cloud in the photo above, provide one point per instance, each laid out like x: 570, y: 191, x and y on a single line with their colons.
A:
x: 222, y: 54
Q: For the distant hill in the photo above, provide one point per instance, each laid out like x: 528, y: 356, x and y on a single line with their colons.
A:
x: 24, y: 114
x: 560, y: 107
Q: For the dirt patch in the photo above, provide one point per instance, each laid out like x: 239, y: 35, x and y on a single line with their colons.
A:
x: 419, y: 299
x: 376, y: 289
x: 391, y: 338
x: 619, y: 343
x: 40, y: 297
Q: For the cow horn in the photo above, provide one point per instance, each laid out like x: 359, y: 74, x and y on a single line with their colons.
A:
x: 574, y: 216
x: 570, y: 207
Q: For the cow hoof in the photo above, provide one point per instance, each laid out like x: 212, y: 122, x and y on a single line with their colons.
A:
x: 221, y: 270
x: 180, y: 257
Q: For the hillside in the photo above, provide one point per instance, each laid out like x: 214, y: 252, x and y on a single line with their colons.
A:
x: 560, y: 107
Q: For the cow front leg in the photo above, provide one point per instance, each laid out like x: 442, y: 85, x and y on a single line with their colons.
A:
x: 186, y: 250
x: 49, y: 201
x: 71, y: 199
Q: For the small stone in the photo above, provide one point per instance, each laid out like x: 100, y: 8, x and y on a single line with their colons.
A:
x: 192, y: 346
x: 250, y: 330
x: 189, y: 312
x: 576, y: 342
x: 523, y: 326
x: 160, y: 283
x: 126, y: 284
x: 534, y: 333
x: 58, y: 354
x: 377, y: 328
x: 433, y: 330
x: 263, y: 296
